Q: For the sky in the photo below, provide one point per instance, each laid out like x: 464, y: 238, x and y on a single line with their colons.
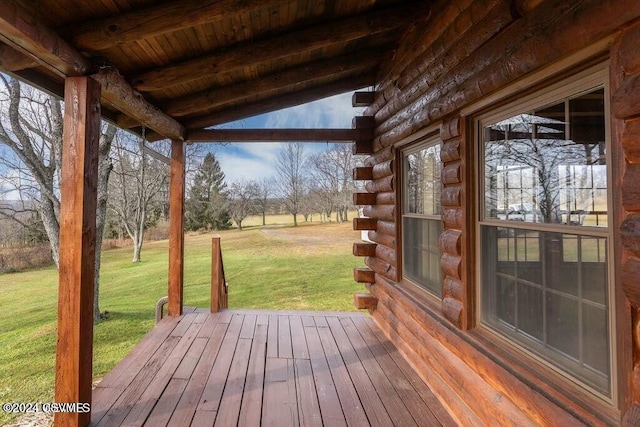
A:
x: 256, y: 160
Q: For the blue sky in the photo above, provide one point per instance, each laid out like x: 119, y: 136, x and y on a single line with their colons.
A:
x: 257, y: 160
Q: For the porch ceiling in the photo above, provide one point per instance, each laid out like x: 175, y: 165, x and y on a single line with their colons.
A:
x: 183, y: 65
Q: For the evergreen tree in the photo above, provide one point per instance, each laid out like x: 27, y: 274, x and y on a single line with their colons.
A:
x: 207, y: 201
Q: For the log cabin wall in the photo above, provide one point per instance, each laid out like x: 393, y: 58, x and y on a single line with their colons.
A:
x: 441, y: 76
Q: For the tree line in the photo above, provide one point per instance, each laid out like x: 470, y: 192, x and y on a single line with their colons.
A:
x: 133, y: 187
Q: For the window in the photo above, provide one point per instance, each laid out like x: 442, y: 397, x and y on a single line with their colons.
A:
x: 421, y: 222
x: 544, y: 237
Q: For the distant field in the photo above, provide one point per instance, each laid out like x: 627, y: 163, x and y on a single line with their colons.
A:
x: 278, y: 267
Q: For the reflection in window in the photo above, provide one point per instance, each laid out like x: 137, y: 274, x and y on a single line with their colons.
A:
x: 421, y: 222
x: 549, y: 165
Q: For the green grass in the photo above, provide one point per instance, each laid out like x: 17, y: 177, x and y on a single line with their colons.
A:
x: 304, y: 268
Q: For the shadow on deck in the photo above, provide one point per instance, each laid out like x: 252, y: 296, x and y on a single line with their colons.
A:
x: 242, y: 367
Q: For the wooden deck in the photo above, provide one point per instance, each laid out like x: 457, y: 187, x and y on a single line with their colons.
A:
x: 252, y: 368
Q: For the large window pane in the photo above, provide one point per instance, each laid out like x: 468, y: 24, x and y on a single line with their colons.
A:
x: 554, y: 301
x: 422, y: 181
x: 421, y: 254
x: 548, y: 165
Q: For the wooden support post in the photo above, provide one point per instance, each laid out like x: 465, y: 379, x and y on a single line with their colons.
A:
x: 176, y: 229
x: 74, y: 354
x: 217, y: 276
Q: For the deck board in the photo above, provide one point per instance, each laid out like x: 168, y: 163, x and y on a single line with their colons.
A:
x: 253, y: 368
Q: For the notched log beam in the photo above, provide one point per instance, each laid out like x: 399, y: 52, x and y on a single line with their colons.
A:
x: 363, y: 99
x: 364, y: 224
x: 365, y: 301
x: 361, y: 199
x: 364, y: 249
x: 364, y: 275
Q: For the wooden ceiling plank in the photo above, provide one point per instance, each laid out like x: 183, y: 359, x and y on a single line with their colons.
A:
x: 21, y: 30
x: 259, y: 52
x: 272, y: 83
x: 282, y: 101
x: 274, y: 135
x: 101, y: 34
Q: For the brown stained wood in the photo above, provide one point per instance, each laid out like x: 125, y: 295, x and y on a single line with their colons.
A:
x: 191, y: 358
x: 452, y: 173
x: 362, y: 173
x: 163, y: 410
x: 383, y: 239
x: 217, y: 275
x: 628, y: 51
x: 352, y: 406
x: 234, y: 387
x: 276, y: 102
x: 450, y: 151
x: 212, y: 392
x: 630, y: 188
x: 380, y: 156
x: 362, y: 99
x: 324, y: 36
x: 381, y: 212
x: 386, y: 227
x: 251, y: 410
x: 273, y: 135
x: 388, y: 198
x: 176, y: 229
x: 272, y: 84
x: 364, y: 223
x: 279, y: 406
x: 285, y: 345
x: 272, y: 336
x: 382, y: 267
x: 381, y: 185
x: 364, y: 199
x: 450, y: 242
x: 451, y: 128
x: 363, y: 147
x: 630, y: 234
x: 629, y: 280
x: 451, y: 196
x: 14, y: 60
x: 630, y: 140
x: 386, y: 254
x: 625, y: 102
x: 364, y: 301
x: 308, y: 407
x: 28, y: 34
x: 452, y: 218
x: 298, y: 340
x: 371, y: 402
x: 453, y: 310
x: 363, y: 122
x: 453, y: 287
x: 119, y: 94
x: 451, y: 265
x: 74, y: 351
x: 155, y: 20
x: 248, y: 326
x: 364, y: 249
x: 363, y: 275
x: 383, y: 170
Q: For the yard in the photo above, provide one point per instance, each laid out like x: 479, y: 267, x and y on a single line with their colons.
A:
x: 273, y: 267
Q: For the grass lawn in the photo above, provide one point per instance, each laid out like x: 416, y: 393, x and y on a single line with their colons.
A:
x: 277, y: 267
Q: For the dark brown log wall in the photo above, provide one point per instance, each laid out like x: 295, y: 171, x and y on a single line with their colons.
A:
x: 466, y: 51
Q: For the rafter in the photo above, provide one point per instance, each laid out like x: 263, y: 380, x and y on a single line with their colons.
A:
x: 256, y: 53
x: 277, y: 135
x: 152, y: 21
x: 27, y: 34
x: 272, y: 84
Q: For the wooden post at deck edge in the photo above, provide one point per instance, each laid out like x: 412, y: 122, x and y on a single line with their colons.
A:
x: 176, y: 229
x: 74, y: 353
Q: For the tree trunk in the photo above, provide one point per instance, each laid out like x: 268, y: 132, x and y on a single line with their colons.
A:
x: 137, y: 248
x: 295, y: 220
x: 52, y: 227
x: 264, y: 219
x: 239, y: 225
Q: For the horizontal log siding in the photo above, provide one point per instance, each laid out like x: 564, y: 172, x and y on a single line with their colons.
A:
x: 625, y: 90
x: 477, y: 48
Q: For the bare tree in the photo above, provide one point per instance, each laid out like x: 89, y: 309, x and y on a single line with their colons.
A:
x: 242, y: 196
x: 291, y: 167
x: 134, y: 192
x: 31, y: 127
x: 265, y: 191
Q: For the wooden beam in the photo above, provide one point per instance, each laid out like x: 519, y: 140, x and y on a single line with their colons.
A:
x: 176, y: 229
x: 362, y: 173
x: 74, y: 354
x: 364, y: 275
x: 364, y: 249
x: 360, y: 199
x: 118, y: 93
x: 360, y: 224
x: 274, y: 83
x: 13, y: 60
x: 168, y: 17
x: 290, y: 99
x: 256, y: 53
x: 273, y: 135
x: 21, y: 30
x: 365, y: 301
x: 363, y: 99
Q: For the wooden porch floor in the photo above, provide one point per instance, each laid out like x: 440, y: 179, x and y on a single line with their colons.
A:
x: 253, y: 368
